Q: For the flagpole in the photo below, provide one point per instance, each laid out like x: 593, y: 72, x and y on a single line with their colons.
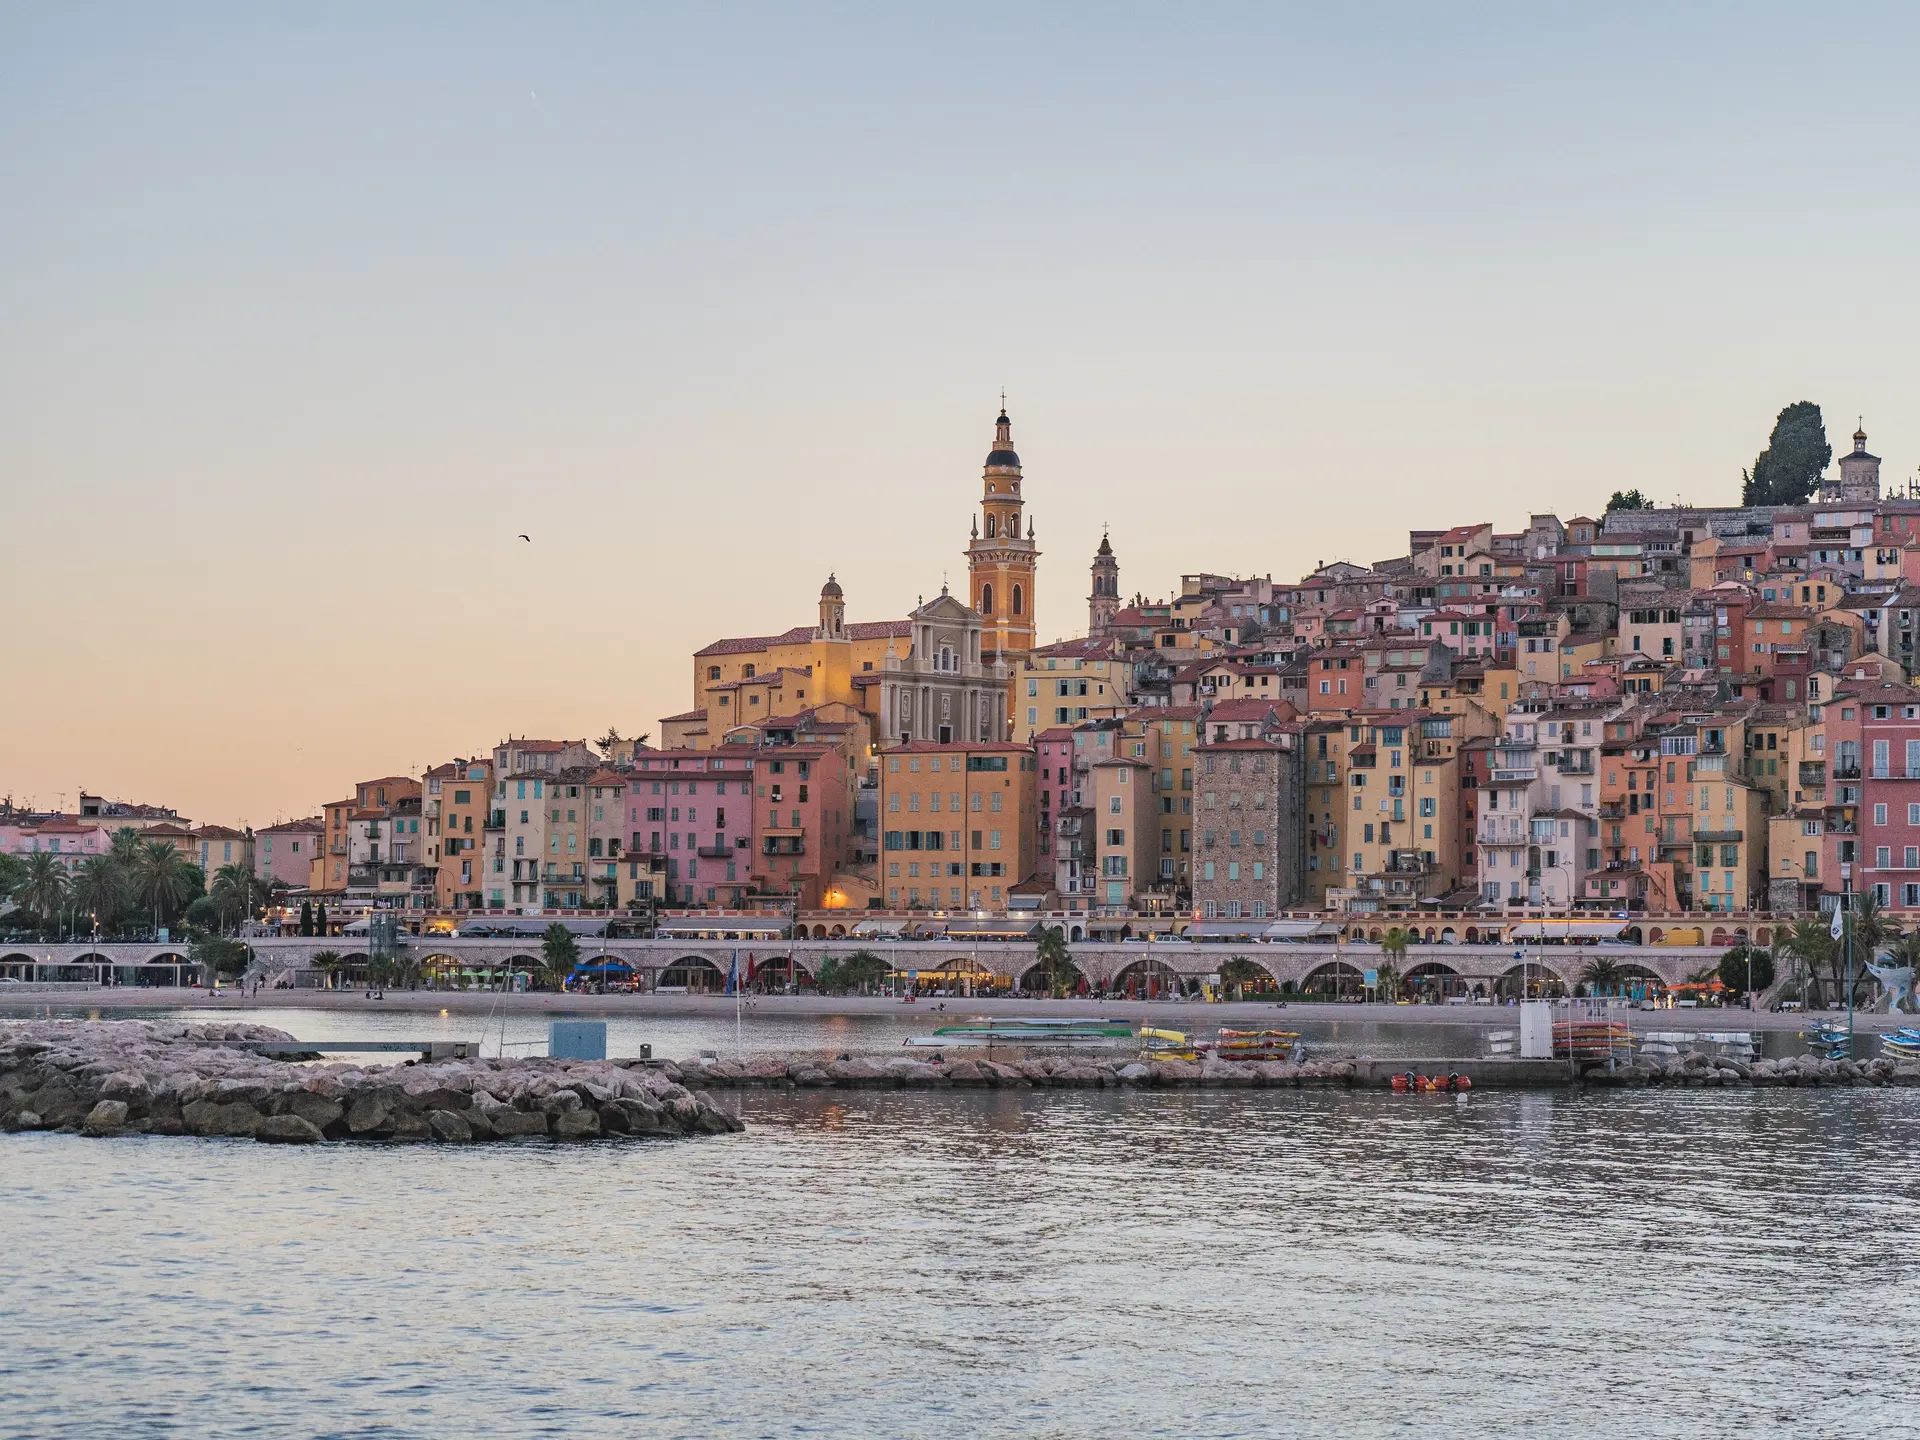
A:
x: 738, y: 1045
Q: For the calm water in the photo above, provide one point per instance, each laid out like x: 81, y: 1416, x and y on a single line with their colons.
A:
x: 1714, y: 1263
x: 771, y: 1029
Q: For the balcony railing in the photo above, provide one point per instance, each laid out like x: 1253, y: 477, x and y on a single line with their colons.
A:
x: 715, y: 852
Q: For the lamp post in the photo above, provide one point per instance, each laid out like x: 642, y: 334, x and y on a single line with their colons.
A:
x: 1846, y: 901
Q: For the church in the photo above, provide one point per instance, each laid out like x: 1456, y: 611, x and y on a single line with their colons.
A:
x: 942, y: 674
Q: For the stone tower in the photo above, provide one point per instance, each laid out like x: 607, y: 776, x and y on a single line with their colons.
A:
x: 1001, y: 556
x: 1859, y: 474
x: 833, y: 612
x: 1104, y: 603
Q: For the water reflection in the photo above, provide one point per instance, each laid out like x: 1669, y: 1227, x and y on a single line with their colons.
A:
x: 998, y: 1263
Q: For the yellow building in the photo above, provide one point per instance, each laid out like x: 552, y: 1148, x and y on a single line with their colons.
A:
x: 454, y: 803
x: 958, y: 824
x: 1066, y: 684
x: 1403, y: 824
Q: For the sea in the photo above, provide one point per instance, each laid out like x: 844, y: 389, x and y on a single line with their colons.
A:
x: 1072, y: 1263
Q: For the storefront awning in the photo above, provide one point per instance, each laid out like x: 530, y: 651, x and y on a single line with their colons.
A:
x: 1567, y: 930
x: 1301, y: 930
x: 1248, y: 930
x: 715, y: 925
x: 991, y: 929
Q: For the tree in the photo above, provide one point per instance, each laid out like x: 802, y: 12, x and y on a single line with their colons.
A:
x: 1869, y: 927
x: 607, y: 741
x: 1810, y: 943
x: 1393, y: 945
x: 101, y: 889
x: 162, y: 879
x: 1747, y: 969
x: 126, y: 846
x: 1056, y: 963
x: 42, y: 889
x: 559, y: 953
x: 1786, y: 472
x: 220, y: 955
x: 328, y: 963
x: 1239, y: 973
x: 1628, y: 500
x: 859, y: 971
x: 1604, y: 975
x: 1387, y: 978
x: 320, y: 919
x: 306, y: 917
x: 236, y: 891
x: 12, y: 871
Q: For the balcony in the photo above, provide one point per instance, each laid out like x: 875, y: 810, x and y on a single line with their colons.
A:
x: 1846, y: 770
x: 786, y: 841
x: 1513, y: 777
x: 1613, y: 811
x: 715, y: 852
x: 1719, y: 837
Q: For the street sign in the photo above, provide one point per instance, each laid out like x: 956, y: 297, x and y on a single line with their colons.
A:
x: 1371, y: 977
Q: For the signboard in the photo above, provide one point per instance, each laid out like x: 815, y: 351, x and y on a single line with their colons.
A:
x: 1370, y: 978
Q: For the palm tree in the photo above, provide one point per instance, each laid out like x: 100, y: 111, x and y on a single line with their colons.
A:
x: 1603, y: 974
x: 42, y: 890
x: 161, y: 879
x: 559, y: 953
x: 1056, y: 963
x: 1239, y: 973
x: 327, y: 962
x: 1872, y: 927
x: 126, y: 846
x: 236, y: 890
x: 1393, y: 945
x: 100, y: 888
x: 1811, y: 943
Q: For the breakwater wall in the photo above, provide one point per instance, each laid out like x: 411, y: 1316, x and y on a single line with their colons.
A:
x: 140, y: 1077
x: 1081, y: 1072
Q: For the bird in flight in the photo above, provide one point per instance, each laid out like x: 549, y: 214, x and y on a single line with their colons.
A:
x: 527, y: 538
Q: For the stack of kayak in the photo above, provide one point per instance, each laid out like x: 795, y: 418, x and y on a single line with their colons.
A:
x: 1256, y: 1044
x: 1591, y: 1039
x: 1829, y: 1040
x: 1166, y: 1045
x: 1902, y: 1044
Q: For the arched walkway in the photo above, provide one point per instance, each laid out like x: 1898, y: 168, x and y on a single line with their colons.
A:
x: 1529, y: 980
x: 694, y: 974
x: 1430, y: 980
x: 1336, y: 980
x: 1147, y: 978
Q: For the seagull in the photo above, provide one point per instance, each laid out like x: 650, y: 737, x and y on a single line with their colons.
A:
x: 527, y: 538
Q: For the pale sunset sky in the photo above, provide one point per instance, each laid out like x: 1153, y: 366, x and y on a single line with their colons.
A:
x: 306, y: 312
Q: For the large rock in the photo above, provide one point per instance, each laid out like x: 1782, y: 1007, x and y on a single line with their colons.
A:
x: 575, y: 1125
x: 644, y: 1117
x: 106, y: 1117
x: 507, y: 1124
x: 209, y: 1118
x: 449, y: 1127
x: 319, y: 1111
x: 287, y: 1129
x: 370, y: 1114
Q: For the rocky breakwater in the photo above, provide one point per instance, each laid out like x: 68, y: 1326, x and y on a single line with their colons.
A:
x: 1795, y: 1070
x: 1042, y: 1071
x: 139, y: 1077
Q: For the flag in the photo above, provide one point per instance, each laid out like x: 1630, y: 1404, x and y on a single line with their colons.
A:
x: 733, y: 975
x: 1839, y: 926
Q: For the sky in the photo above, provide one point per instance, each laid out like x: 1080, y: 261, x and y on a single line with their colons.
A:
x: 308, y: 312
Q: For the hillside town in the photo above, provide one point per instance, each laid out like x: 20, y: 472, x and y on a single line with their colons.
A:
x: 1654, y: 712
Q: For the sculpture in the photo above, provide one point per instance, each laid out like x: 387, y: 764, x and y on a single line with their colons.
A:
x: 1897, y: 982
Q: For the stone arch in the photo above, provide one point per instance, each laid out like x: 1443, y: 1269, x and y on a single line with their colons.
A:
x: 1434, y: 979
x: 1720, y: 936
x: 1373, y: 935
x: 1336, y: 977
x: 1030, y: 972
x: 1019, y: 601
x: 1147, y: 978
x: 993, y: 525
x: 1635, y: 934
x: 696, y: 973
x: 819, y: 932
x: 1077, y: 932
x: 1653, y: 935
x: 838, y: 932
x: 1764, y: 936
x: 1447, y: 936
x: 1530, y: 980
x: 1432, y: 935
x: 986, y: 591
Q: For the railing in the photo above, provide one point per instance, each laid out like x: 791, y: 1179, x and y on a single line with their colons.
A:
x: 715, y: 852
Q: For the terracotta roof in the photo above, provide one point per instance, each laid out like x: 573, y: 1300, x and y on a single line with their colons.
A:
x: 219, y: 832
x: 683, y: 717
x: 917, y: 747
x: 606, y: 775
x: 800, y: 634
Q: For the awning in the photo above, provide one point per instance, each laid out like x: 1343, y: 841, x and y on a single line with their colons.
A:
x: 991, y: 929
x: 1248, y: 930
x: 608, y: 968
x: 1301, y: 930
x: 879, y: 929
x: 718, y: 925
x: 1567, y: 930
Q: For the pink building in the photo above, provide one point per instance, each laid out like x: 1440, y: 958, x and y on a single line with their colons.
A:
x: 283, y: 853
x: 695, y: 808
x: 72, y: 840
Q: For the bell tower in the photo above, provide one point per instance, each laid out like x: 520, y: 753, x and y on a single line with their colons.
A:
x: 1104, y: 603
x: 1001, y: 555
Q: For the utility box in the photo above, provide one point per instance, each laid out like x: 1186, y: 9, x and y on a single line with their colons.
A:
x: 577, y: 1039
x: 1536, y: 1030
